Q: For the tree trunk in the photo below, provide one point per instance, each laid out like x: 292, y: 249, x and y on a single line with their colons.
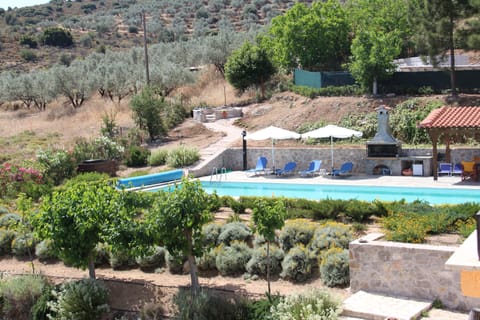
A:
x: 191, y: 263
x: 91, y: 267
x: 262, y: 88
x: 268, y: 267
x: 452, y: 59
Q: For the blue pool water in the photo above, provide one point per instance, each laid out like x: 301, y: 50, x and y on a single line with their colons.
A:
x: 323, y: 191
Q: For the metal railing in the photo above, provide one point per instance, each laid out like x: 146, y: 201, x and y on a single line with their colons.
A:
x: 218, y: 173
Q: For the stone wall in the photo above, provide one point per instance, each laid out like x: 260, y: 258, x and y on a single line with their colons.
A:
x: 408, y: 270
x: 232, y: 158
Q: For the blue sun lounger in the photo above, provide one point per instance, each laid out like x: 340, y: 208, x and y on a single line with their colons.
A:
x: 289, y: 169
x: 261, y: 166
x: 345, y: 169
x: 313, y: 169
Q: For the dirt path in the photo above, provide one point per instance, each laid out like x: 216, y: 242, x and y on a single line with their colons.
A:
x: 237, y: 284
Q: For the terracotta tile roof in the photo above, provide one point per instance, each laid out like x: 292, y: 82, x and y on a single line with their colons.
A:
x: 452, y: 117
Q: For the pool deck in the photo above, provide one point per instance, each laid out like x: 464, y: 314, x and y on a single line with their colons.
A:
x: 454, y: 182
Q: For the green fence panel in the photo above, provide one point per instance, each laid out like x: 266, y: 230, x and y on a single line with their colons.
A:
x: 400, y: 82
x: 337, y: 78
x: 466, y: 81
x: 307, y: 78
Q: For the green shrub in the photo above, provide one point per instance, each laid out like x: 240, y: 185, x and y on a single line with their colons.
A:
x: 331, y: 234
x: 137, y: 156
x: 121, y: 260
x: 43, y: 250
x: 207, y: 262
x: 175, y: 264
x: 359, y: 211
x: 152, y: 311
x: 40, y: 309
x: 260, y: 309
x: 83, y: 299
x: 158, y: 157
x: 335, y: 268
x: 234, y: 204
x: 465, y: 228
x: 15, y: 179
x: 19, y: 294
x: 310, y: 305
x: 152, y: 261
x: 23, y: 245
x: 234, y: 231
x: 57, y: 164
x: 6, y: 238
x: 329, y: 209
x: 207, y: 305
x: 182, y: 156
x: 57, y: 37
x: 296, y: 265
x: 214, y: 202
x: 297, y: 231
x: 28, y: 55
x: 102, y: 255
x: 406, y: 227
x: 3, y: 210
x: 10, y: 220
x: 28, y: 40
x: 86, y: 177
x: 102, y: 147
x: 210, y: 233
x: 258, y: 262
x: 330, y: 91
x: 231, y: 260
x: 132, y: 29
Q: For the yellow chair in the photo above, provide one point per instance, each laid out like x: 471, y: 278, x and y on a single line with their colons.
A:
x: 469, y: 170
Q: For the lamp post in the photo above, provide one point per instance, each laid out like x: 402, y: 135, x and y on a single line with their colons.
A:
x: 477, y: 217
x: 244, y: 133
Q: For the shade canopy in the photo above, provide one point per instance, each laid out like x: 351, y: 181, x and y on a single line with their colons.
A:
x: 332, y: 131
x: 273, y: 133
x: 450, y: 124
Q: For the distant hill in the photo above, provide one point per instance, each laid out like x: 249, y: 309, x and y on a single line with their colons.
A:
x: 117, y: 24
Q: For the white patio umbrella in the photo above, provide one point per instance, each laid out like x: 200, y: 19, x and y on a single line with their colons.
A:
x: 332, y: 131
x: 273, y: 133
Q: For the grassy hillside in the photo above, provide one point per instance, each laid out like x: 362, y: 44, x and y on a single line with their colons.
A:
x: 97, y: 25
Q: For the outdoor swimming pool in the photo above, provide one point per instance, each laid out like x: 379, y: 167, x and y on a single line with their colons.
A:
x: 324, y: 191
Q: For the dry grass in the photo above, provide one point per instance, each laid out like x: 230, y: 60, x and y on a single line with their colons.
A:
x: 212, y: 90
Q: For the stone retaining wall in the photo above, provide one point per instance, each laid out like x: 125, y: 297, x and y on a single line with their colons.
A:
x: 232, y: 158
x: 408, y: 270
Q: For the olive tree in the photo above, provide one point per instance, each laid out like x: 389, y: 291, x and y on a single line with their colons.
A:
x: 75, y: 82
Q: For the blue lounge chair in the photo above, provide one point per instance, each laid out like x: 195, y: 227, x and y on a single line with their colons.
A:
x: 457, y: 169
x: 289, y: 169
x: 345, y: 169
x: 260, y: 167
x: 313, y: 169
x: 445, y: 168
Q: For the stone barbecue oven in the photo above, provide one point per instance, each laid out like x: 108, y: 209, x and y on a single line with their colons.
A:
x: 383, y: 145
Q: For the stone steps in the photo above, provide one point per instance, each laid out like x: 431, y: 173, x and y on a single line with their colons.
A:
x: 370, y: 306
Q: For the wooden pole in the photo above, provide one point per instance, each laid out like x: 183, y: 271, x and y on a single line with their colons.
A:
x: 147, y: 72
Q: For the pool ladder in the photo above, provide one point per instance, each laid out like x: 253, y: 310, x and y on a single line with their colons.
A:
x: 217, y: 173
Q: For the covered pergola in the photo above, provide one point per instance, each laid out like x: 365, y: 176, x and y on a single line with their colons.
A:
x: 449, y: 125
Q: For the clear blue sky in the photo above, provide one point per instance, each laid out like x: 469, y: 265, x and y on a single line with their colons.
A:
x: 20, y: 3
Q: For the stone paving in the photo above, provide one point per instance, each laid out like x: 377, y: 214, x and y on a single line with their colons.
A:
x: 378, y: 307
